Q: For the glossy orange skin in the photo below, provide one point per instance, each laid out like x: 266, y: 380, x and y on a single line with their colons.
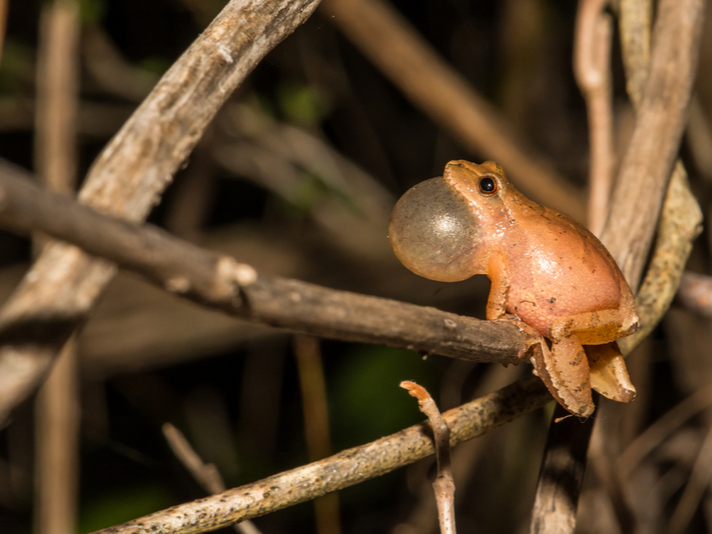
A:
x: 554, y: 266
x: 548, y: 273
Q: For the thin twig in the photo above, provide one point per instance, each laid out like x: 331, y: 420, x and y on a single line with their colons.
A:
x: 57, y: 96
x: 316, y: 424
x: 697, y: 484
x: 220, y: 282
x: 344, y: 469
x: 207, y: 475
x: 58, y: 403
x: 57, y: 447
x: 661, y: 429
x: 423, y: 518
x: 395, y: 47
x: 444, y: 485
x: 128, y: 178
x: 635, y: 23
x: 592, y: 50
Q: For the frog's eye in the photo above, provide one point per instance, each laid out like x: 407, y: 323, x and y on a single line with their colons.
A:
x: 434, y: 233
x: 488, y: 185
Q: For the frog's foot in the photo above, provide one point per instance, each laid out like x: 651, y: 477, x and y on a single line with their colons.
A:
x: 609, y: 375
x: 532, y: 337
x: 564, y: 370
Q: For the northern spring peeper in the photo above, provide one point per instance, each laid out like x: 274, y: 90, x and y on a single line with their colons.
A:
x: 550, y: 276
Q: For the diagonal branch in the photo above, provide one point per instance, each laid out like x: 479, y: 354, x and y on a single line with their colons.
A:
x: 128, y: 178
x: 219, y: 282
x: 344, y: 469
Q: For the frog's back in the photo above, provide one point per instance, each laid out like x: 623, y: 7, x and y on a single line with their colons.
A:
x: 558, y: 268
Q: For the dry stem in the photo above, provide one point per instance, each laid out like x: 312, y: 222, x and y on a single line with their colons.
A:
x: 592, y: 50
x: 344, y: 469
x: 316, y: 424
x: 128, y: 178
x: 207, y: 475
x: 222, y: 283
x: 561, y: 474
x: 444, y: 485
x: 58, y: 404
x: 660, y: 121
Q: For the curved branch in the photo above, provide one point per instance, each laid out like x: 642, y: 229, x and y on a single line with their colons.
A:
x: 128, y: 178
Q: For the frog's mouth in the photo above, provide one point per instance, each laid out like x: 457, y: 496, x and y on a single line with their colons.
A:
x: 434, y: 233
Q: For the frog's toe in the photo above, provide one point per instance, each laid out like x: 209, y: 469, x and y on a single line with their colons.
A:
x: 532, y: 339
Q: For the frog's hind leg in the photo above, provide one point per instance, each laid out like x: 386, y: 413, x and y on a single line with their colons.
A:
x: 564, y: 370
x: 609, y: 375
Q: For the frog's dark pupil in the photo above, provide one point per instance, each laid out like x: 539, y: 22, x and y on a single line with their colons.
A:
x: 487, y: 185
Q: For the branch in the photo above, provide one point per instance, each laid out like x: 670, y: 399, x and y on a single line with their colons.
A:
x: 444, y: 484
x: 219, y: 282
x: 207, y: 475
x: 58, y: 405
x: 642, y: 182
x: 592, y: 49
x: 561, y: 475
x: 342, y: 470
x: 660, y: 120
x: 128, y: 178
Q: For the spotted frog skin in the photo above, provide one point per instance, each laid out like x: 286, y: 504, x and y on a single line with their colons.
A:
x: 550, y: 276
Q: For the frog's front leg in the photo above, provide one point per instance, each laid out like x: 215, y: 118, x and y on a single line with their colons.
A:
x: 499, y: 289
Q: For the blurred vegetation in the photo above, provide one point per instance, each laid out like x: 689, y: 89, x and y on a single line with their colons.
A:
x: 273, y: 183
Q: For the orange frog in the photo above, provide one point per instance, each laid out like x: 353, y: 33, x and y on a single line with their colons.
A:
x: 550, y: 276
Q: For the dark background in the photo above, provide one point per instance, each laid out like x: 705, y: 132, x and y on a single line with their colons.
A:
x: 235, y: 393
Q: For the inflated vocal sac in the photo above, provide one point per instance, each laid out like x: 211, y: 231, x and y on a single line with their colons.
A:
x: 434, y: 233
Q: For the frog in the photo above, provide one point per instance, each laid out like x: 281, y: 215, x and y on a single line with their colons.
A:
x: 550, y: 276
